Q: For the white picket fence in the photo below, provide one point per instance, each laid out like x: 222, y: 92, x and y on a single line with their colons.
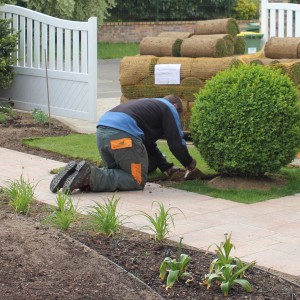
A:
x: 279, y: 19
x: 64, y: 50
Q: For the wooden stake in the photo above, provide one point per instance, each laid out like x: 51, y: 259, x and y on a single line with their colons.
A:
x: 46, y: 66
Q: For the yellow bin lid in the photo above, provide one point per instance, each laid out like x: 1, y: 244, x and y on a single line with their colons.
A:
x: 251, y: 34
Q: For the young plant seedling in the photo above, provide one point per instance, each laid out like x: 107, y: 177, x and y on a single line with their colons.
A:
x: 161, y: 222
x: 175, y: 268
x: 40, y: 117
x: 105, y: 219
x: 3, y: 118
x: 20, y: 194
x: 64, y: 214
x: 7, y: 110
x: 227, y: 270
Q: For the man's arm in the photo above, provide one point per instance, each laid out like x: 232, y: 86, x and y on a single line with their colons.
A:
x: 157, y: 158
x: 174, y: 136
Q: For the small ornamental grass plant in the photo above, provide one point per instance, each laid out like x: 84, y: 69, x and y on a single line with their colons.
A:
x: 161, y: 222
x: 227, y: 270
x: 20, y: 194
x: 105, y: 219
x: 40, y: 117
x: 64, y: 214
x: 175, y: 268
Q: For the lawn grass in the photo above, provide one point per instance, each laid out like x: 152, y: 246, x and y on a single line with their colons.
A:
x: 117, y: 50
x: 83, y: 146
x: 247, y: 196
x: 76, y: 146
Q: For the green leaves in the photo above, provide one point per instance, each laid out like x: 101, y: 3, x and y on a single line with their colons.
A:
x: 20, y: 194
x: 176, y: 269
x: 105, y: 218
x: 8, y: 42
x: 245, y: 10
x: 80, y: 10
x: 161, y: 222
x: 40, y: 117
x: 6, y: 113
x: 246, y: 121
x: 144, y: 10
x: 65, y: 214
x: 227, y: 270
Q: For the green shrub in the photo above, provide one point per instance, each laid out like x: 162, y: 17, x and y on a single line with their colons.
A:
x: 8, y: 42
x: 166, y: 10
x: 40, y: 117
x: 245, y: 10
x: 3, y: 118
x: 6, y: 114
x: 246, y: 121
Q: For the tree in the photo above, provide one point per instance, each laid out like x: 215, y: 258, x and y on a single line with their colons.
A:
x: 79, y: 10
x: 56, y: 8
x: 87, y: 8
x: 8, y: 42
x: 14, y: 2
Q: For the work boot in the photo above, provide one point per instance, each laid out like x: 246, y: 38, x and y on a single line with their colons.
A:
x: 60, y: 178
x: 79, y: 179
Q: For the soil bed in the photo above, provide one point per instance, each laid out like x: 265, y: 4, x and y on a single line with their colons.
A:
x: 38, y: 262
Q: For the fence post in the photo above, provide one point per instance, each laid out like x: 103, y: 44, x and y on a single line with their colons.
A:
x: 157, y: 11
x: 228, y: 10
x: 92, y: 67
x: 264, y: 21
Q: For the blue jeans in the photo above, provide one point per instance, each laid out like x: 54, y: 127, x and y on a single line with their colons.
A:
x: 125, y: 159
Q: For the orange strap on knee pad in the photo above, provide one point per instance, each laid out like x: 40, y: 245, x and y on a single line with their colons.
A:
x: 136, y: 172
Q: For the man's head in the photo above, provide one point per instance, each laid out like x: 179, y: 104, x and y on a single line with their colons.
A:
x: 176, y: 101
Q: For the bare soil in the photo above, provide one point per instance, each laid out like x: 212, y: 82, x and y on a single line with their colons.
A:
x: 39, y: 262
x: 263, y: 183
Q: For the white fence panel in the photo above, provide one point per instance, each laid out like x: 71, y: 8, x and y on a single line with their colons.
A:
x: 280, y: 19
x: 69, y: 51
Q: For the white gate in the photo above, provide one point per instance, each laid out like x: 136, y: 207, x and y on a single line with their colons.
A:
x: 67, y: 50
x: 280, y: 19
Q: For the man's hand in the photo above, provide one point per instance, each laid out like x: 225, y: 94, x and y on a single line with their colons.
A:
x: 173, y: 170
x: 191, y: 166
x: 191, y: 171
x: 175, y: 174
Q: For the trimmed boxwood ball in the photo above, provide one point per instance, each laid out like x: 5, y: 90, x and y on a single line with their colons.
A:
x: 246, y: 121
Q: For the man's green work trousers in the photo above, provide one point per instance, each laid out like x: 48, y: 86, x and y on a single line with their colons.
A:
x: 126, y: 162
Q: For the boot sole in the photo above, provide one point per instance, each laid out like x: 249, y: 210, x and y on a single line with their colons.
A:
x: 70, y: 184
x: 59, y: 179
